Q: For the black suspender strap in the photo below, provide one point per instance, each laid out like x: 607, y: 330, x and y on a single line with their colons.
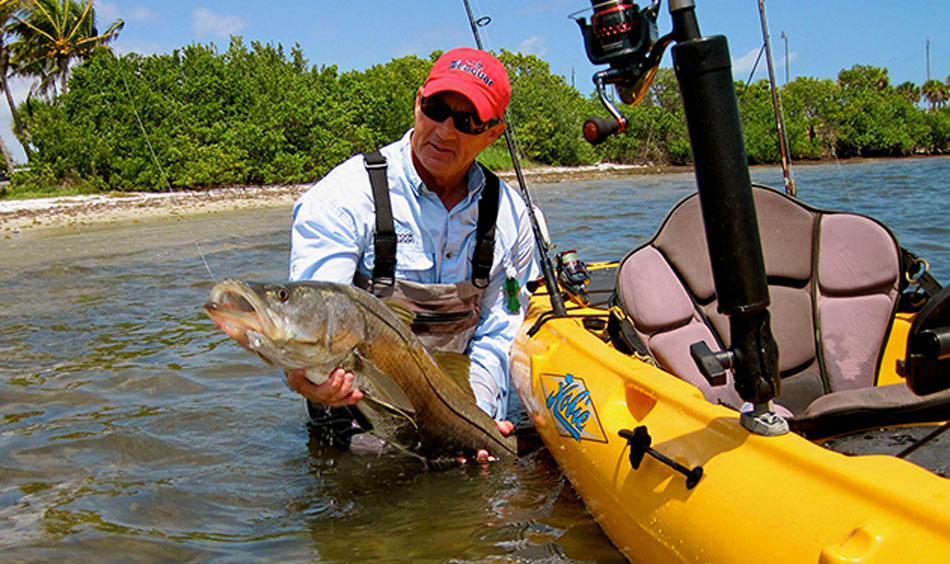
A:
x: 384, y: 265
x: 485, y: 231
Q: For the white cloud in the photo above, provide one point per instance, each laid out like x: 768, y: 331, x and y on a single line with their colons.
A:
x: 106, y: 12
x: 536, y: 45
x: 742, y: 66
x: 206, y: 22
x: 141, y: 14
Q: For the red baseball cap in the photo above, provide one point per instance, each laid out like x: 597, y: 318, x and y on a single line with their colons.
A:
x: 475, y: 74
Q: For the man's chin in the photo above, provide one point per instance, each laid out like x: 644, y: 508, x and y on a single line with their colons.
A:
x: 438, y: 162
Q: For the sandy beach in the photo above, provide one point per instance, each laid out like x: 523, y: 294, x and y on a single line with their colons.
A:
x: 71, y: 212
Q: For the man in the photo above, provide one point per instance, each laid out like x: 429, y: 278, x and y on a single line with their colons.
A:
x: 463, y: 243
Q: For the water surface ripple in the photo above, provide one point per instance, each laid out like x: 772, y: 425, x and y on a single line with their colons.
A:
x: 133, y: 430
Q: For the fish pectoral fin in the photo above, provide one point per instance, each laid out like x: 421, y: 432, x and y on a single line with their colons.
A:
x: 404, y: 314
x: 385, y: 390
x: 456, y: 367
x: 393, y: 409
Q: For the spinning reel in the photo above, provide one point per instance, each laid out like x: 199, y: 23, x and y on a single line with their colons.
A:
x: 625, y: 37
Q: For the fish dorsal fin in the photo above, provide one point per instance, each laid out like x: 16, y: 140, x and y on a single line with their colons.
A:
x: 404, y: 314
x: 456, y: 367
x: 385, y: 390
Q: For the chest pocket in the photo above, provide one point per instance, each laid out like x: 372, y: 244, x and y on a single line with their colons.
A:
x: 388, y: 251
x: 411, y: 255
x: 414, y: 258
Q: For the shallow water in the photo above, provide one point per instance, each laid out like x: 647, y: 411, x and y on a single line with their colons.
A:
x: 134, y: 430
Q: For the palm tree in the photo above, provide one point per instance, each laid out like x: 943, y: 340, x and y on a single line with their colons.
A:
x: 7, y: 9
x: 935, y: 92
x: 52, y: 34
x: 908, y: 90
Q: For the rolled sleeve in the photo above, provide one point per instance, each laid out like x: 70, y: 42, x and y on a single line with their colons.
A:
x: 491, y: 343
x: 326, y: 238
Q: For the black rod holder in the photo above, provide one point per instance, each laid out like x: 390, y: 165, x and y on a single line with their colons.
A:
x: 704, y: 72
x: 639, y: 441
x: 625, y: 37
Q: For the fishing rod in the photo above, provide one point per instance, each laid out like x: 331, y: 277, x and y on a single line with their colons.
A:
x: 547, y: 269
x: 779, y: 122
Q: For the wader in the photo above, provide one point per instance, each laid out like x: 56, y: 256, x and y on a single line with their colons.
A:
x: 446, y: 314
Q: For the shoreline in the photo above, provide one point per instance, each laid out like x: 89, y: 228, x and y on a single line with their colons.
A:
x: 18, y: 217
x: 40, y: 215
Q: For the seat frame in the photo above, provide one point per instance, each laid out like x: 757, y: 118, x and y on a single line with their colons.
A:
x: 834, y: 278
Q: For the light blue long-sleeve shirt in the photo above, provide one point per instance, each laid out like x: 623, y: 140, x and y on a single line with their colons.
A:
x: 332, y: 238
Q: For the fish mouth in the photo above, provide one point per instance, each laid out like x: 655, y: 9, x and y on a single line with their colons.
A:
x: 238, y: 310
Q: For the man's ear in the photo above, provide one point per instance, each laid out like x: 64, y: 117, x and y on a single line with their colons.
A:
x: 496, y: 131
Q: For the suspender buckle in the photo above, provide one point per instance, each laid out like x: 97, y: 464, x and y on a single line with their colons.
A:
x: 374, y: 160
x: 379, y: 285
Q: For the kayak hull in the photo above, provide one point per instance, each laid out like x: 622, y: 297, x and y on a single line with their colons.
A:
x: 768, y: 499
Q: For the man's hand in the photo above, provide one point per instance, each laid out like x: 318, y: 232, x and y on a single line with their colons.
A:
x: 482, y: 456
x: 337, y: 391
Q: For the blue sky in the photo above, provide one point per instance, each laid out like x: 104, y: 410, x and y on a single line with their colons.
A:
x: 824, y: 36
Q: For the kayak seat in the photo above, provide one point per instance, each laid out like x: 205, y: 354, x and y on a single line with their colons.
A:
x: 834, y: 281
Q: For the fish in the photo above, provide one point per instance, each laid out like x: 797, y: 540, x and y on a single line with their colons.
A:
x: 419, y: 402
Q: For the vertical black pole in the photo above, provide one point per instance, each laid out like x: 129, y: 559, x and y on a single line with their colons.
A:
x: 703, y: 69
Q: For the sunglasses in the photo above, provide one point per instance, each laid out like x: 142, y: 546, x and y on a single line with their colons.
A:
x: 437, y: 110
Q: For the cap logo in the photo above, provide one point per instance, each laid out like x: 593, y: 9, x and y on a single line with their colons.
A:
x: 473, y: 68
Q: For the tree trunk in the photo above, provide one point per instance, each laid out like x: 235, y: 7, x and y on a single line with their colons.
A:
x: 7, y: 159
x: 17, y: 124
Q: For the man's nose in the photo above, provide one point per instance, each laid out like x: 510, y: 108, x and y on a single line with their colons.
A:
x: 447, y: 128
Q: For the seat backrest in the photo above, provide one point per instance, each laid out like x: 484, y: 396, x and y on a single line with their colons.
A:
x: 833, y: 284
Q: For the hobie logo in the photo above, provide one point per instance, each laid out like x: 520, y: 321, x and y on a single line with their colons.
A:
x: 569, y: 402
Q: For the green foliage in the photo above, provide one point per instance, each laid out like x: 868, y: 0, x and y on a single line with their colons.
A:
x: 257, y: 114
x: 496, y: 157
x: 935, y: 92
x: 656, y: 131
x: 938, y: 125
x: 860, y: 115
x: 383, y: 96
x: 546, y: 112
x: 247, y: 116
x: 758, y: 122
x: 875, y: 121
x: 812, y: 110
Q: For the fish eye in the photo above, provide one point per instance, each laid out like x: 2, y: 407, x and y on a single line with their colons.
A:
x: 283, y: 294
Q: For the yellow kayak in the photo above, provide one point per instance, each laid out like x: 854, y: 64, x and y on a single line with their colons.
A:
x: 609, y: 418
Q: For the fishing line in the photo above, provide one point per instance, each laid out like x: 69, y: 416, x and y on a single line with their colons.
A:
x: 148, y: 143
x: 158, y: 165
x: 550, y: 281
x: 755, y: 66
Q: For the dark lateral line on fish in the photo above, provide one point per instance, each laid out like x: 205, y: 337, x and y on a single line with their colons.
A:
x: 487, y: 432
x: 399, y: 330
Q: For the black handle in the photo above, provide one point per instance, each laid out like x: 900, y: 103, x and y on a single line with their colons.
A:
x: 598, y: 129
x: 639, y: 441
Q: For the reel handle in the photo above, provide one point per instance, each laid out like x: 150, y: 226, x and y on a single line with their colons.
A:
x: 597, y: 129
